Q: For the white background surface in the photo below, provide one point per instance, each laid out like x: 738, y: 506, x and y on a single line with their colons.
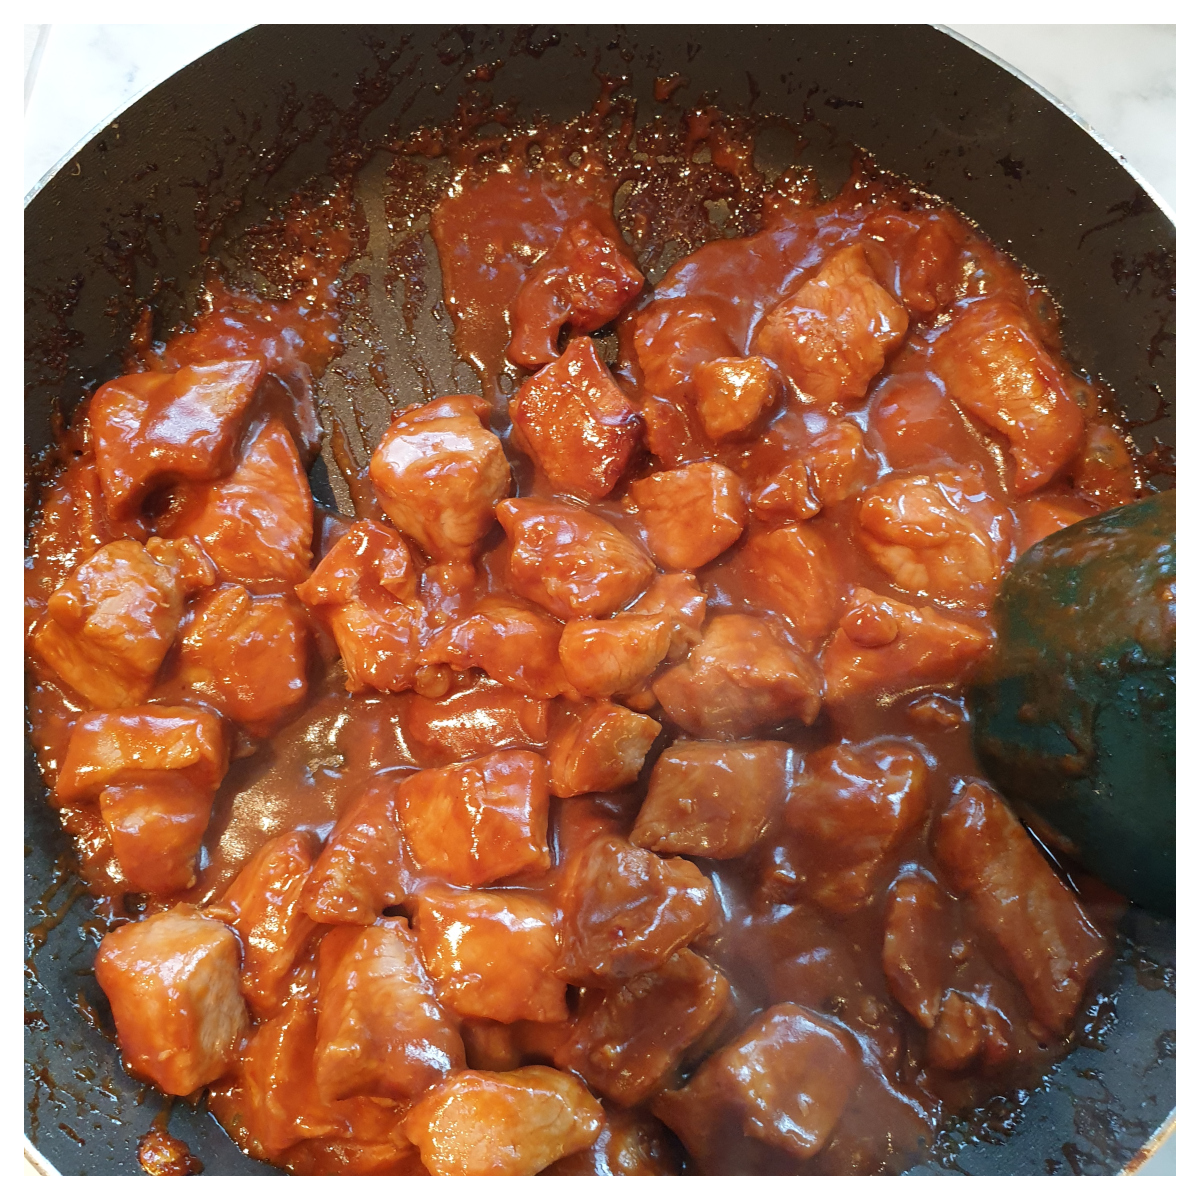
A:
x: 1120, y: 79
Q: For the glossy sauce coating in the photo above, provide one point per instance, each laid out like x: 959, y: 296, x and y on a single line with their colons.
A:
x: 619, y: 754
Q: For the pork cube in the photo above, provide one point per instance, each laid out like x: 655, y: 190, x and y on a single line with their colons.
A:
x: 1018, y: 899
x: 626, y: 911
x: 599, y: 748
x: 832, y: 334
x: 790, y: 493
x: 916, y: 946
x: 883, y: 646
x: 850, y: 807
x: 571, y: 562
x: 109, y: 626
x: 156, y: 828
x: 627, y: 1042
x: 794, y: 574
x: 1103, y: 469
x: 673, y: 338
x: 577, y: 424
x: 256, y: 524
x: 939, y: 535
x: 712, y: 799
x: 785, y: 1081
x: 741, y: 678
x: 581, y: 284
x: 358, y: 872
x: 690, y: 514
x: 515, y: 645
x: 479, y: 821
x: 680, y: 601
x: 161, y: 427
x: 915, y: 426
x: 492, y: 954
x: 498, y: 1046
x: 263, y: 905
x: 732, y: 393
x: 438, y: 474
x: 380, y: 1029
x: 968, y: 1029
x: 483, y: 716
x: 1040, y: 516
x: 610, y: 658
x: 172, y: 982
x: 997, y: 369
x: 136, y: 745
x: 365, y: 590
x: 631, y: 1143
x: 503, y: 1123
x: 249, y: 654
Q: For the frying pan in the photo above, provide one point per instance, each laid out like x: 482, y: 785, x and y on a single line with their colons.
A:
x: 132, y: 216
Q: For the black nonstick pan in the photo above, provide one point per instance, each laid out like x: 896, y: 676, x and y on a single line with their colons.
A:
x: 131, y: 219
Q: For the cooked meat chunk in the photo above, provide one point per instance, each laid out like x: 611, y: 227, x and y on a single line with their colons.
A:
x: 673, y: 338
x: 678, y: 599
x: 256, y: 524
x: 577, y: 424
x: 916, y: 426
x: 969, y: 1029
x: 626, y: 1042
x: 503, y: 1123
x: 610, y: 658
x: 690, y: 514
x: 939, y: 535
x: 832, y: 335
x: 1039, y: 517
x: 249, y: 654
x: 365, y: 590
x: 599, y: 748
x: 785, y: 1081
x: 1103, y: 469
x: 480, y: 821
x: 580, y: 285
x: 484, y: 716
x: 162, y: 427
x: 110, y: 625
x: 172, y: 982
x: 741, y: 678
x: 515, y: 645
x: 380, y: 1029
x: 832, y: 467
x: 732, y: 393
x: 794, y: 573
x: 631, y: 1143
x: 492, y: 954
x: 997, y: 369
x: 885, y: 646
x: 571, y: 562
x: 263, y: 905
x: 850, y: 808
x: 439, y: 473
x: 916, y: 945
x: 626, y: 911
x: 712, y: 799
x: 1046, y: 937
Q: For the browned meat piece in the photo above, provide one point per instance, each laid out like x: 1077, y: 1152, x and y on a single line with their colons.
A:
x: 969, y: 1030
x: 465, y: 724
x: 690, y: 514
x: 492, y: 954
x: 249, y: 654
x: 626, y: 911
x: 571, y: 562
x: 1047, y: 938
x: 172, y: 982
x: 579, y: 285
x: 380, y: 1029
x: 577, y: 424
x: 161, y: 427
x: 1103, y: 469
x: 109, y: 626
x: 680, y: 601
x: 916, y: 946
x: 505, y: 1123
x: 741, y: 678
x: 263, y: 906
x: 599, y: 748
x: 732, y: 393
x: 479, y: 821
x: 627, y: 1042
x: 613, y: 657
x: 631, y: 1143
x: 785, y: 1081
x: 712, y: 799
x: 438, y: 474
x: 850, y: 808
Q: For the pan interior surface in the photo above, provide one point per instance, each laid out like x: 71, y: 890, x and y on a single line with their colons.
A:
x: 208, y: 154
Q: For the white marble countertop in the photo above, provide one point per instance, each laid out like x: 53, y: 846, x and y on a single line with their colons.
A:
x: 1120, y: 79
